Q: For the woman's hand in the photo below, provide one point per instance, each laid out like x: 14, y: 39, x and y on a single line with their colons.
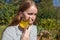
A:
x: 26, y: 33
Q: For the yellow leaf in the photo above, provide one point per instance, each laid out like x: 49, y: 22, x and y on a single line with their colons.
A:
x: 24, y: 24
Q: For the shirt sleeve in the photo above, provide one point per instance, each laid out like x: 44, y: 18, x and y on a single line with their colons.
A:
x: 33, y: 35
x: 9, y: 34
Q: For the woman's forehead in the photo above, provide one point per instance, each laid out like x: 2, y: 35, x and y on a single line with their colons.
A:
x: 32, y: 9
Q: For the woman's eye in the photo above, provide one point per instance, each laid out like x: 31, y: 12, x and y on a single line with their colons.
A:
x: 30, y: 13
x: 35, y: 14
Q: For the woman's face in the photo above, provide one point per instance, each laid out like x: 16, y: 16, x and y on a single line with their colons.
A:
x: 30, y: 14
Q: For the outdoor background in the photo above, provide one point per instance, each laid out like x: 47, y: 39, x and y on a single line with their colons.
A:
x: 48, y: 17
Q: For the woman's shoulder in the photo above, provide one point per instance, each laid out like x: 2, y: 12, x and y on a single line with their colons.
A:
x: 9, y: 32
x: 10, y: 29
x: 34, y: 26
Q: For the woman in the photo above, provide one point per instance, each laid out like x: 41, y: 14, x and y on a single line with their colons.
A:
x: 22, y: 26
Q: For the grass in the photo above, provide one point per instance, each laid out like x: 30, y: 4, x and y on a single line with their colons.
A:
x: 2, y: 27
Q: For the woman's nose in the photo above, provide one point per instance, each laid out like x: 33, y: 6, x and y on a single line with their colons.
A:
x: 32, y: 17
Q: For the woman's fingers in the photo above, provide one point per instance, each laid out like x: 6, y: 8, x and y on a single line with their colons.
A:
x: 26, y: 34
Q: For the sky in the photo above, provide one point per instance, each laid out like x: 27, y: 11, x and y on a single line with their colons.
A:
x: 56, y: 3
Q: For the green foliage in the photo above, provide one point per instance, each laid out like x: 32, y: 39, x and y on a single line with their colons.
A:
x: 8, y: 10
x: 2, y: 28
x: 47, y: 24
x: 46, y: 10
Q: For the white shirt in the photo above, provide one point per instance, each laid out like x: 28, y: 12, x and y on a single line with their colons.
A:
x: 13, y: 33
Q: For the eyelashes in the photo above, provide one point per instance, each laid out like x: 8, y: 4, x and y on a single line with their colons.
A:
x: 32, y: 13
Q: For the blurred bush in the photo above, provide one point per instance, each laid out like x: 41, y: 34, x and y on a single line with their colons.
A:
x: 8, y: 10
x: 49, y: 25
